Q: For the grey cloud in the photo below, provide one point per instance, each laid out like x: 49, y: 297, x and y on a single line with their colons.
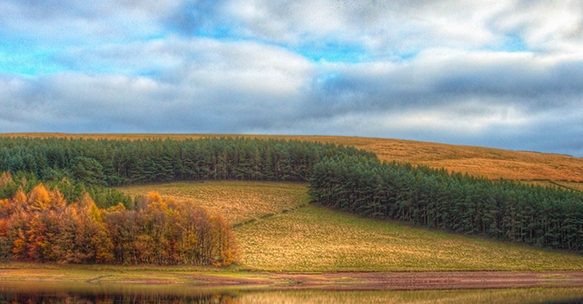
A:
x: 521, y: 80
x: 59, y: 23
x: 207, y: 87
x: 529, y: 85
x: 384, y: 27
x: 56, y: 9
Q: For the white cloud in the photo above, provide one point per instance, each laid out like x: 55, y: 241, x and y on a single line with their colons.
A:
x: 546, y: 26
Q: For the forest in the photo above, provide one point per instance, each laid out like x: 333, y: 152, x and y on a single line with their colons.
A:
x: 498, y: 209
x: 123, y: 162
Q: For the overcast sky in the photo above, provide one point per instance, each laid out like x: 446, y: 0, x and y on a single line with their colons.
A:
x: 505, y: 74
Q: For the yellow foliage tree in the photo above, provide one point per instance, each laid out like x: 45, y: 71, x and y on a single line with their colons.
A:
x: 5, y: 208
x: 39, y: 199
x: 57, y: 199
x: 5, y: 179
x: 19, y: 201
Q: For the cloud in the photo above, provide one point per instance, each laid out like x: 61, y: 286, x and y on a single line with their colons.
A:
x: 63, y: 23
x: 203, y: 85
x: 544, y: 26
x: 504, y: 74
x: 200, y: 85
x: 500, y: 94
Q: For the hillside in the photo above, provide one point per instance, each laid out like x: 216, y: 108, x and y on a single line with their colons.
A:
x: 313, y: 238
x: 477, y: 161
x: 239, y: 202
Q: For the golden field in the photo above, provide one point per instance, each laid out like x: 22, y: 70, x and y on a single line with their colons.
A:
x: 309, y: 238
x: 477, y: 161
x: 317, y: 239
x: 239, y: 202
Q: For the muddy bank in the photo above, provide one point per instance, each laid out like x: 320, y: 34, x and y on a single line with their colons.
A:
x: 432, y: 280
x: 327, y: 281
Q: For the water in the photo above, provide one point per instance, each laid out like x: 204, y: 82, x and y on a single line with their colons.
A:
x: 48, y: 293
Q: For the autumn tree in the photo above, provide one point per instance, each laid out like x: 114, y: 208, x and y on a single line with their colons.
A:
x: 41, y: 226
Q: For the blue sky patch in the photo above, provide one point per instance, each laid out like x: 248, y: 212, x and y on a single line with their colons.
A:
x: 25, y: 62
x: 334, y: 52
x: 514, y: 44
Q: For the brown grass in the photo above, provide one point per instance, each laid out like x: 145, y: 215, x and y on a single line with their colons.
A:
x: 317, y: 239
x: 238, y: 201
x: 478, y: 161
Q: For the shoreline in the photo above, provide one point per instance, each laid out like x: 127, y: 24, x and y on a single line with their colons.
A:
x: 233, y: 279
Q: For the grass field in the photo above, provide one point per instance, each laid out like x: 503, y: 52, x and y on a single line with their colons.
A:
x: 478, y: 161
x: 316, y: 239
x: 239, y: 202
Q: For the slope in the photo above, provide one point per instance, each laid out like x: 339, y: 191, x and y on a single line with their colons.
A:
x: 313, y: 239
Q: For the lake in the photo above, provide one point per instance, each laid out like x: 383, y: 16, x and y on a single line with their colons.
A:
x: 35, y: 292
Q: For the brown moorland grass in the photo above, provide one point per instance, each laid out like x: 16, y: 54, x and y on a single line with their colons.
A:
x: 238, y: 201
x: 477, y: 161
x: 316, y: 239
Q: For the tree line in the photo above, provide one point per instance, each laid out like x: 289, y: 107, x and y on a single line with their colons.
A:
x: 72, y: 191
x: 41, y: 226
x: 122, y: 162
x: 499, y: 209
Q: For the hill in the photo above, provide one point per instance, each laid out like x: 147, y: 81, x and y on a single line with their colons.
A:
x: 284, y: 234
x: 478, y: 161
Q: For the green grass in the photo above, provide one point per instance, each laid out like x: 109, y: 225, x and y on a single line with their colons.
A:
x: 316, y: 239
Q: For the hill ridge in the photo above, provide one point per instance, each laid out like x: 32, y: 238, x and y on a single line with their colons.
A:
x: 492, y: 163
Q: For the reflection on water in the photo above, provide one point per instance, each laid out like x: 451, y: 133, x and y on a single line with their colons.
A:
x: 11, y: 292
x: 49, y: 293
x: 50, y: 298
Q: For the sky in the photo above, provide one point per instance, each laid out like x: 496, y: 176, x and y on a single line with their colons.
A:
x: 505, y: 74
